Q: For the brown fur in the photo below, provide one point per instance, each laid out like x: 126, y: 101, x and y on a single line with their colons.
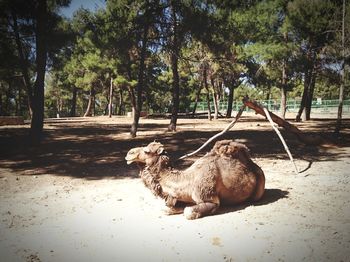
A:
x: 224, y: 175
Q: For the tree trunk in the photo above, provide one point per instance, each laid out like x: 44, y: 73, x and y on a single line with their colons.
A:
x: 284, y: 90
x: 230, y: 101
x: 89, y: 107
x: 131, y: 92
x: 93, y: 104
x: 23, y: 101
x: 176, y: 92
x: 268, y: 95
x: 283, y: 102
x: 208, y: 92
x: 310, y: 96
x: 1, y: 109
x: 74, y: 103
x: 208, y: 104
x: 29, y: 99
x: 340, y: 105
x: 174, y: 69
x: 20, y: 98
x: 284, y: 81
x: 37, y: 123
x: 105, y: 111
x: 58, y: 108
x: 309, y: 85
x: 342, y: 84
x: 110, y: 98
x: 23, y: 63
x: 17, y: 100
x: 304, y: 97
x: 132, y: 100
x: 215, y: 99
x: 121, y: 102
x: 197, y: 98
x: 7, y: 100
x: 138, y: 105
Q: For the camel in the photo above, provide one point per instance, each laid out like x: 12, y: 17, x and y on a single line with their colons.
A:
x: 225, y: 175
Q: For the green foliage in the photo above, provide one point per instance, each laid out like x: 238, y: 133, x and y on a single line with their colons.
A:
x: 18, y: 38
x: 313, y: 20
x: 243, y: 44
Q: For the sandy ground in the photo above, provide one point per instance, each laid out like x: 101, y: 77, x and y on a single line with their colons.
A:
x: 80, y: 202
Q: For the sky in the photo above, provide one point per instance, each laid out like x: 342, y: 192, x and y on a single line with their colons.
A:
x: 76, y: 4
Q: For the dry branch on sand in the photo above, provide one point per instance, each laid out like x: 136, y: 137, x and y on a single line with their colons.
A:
x: 272, y: 118
x: 282, y: 139
x: 218, y: 134
x: 315, y: 140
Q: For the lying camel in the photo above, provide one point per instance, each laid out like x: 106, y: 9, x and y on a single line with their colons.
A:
x: 225, y: 175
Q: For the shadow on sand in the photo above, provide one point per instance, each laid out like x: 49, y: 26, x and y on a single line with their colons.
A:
x: 93, y: 150
x: 271, y: 195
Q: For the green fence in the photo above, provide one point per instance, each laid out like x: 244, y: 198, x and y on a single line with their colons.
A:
x: 318, y: 105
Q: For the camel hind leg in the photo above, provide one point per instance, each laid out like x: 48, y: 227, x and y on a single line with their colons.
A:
x: 260, y: 183
x: 202, y: 209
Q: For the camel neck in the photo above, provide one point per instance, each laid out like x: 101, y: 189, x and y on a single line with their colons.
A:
x: 151, y: 181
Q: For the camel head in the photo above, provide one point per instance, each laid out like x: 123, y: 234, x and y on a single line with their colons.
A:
x: 145, y: 155
x: 135, y: 155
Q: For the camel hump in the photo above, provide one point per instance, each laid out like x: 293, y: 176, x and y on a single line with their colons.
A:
x: 230, y: 148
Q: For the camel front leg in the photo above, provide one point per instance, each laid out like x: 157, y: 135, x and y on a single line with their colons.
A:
x: 174, y: 210
x: 174, y: 206
x: 201, y: 209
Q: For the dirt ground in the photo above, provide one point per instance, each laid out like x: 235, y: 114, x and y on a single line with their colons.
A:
x: 73, y: 198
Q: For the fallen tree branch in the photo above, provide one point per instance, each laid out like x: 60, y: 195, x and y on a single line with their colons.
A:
x: 218, y: 134
x: 281, y: 138
x: 304, y: 138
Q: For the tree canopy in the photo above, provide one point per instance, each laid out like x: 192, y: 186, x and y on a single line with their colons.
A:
x: 163, y: 56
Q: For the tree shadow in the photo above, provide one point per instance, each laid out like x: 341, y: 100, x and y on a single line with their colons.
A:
x: 95, y: 150
x: 270, y: 196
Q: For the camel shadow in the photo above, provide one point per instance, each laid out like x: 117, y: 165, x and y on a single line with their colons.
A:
x: 270, y: 196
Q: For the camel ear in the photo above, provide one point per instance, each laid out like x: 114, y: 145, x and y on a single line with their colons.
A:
x: 160, y: 150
